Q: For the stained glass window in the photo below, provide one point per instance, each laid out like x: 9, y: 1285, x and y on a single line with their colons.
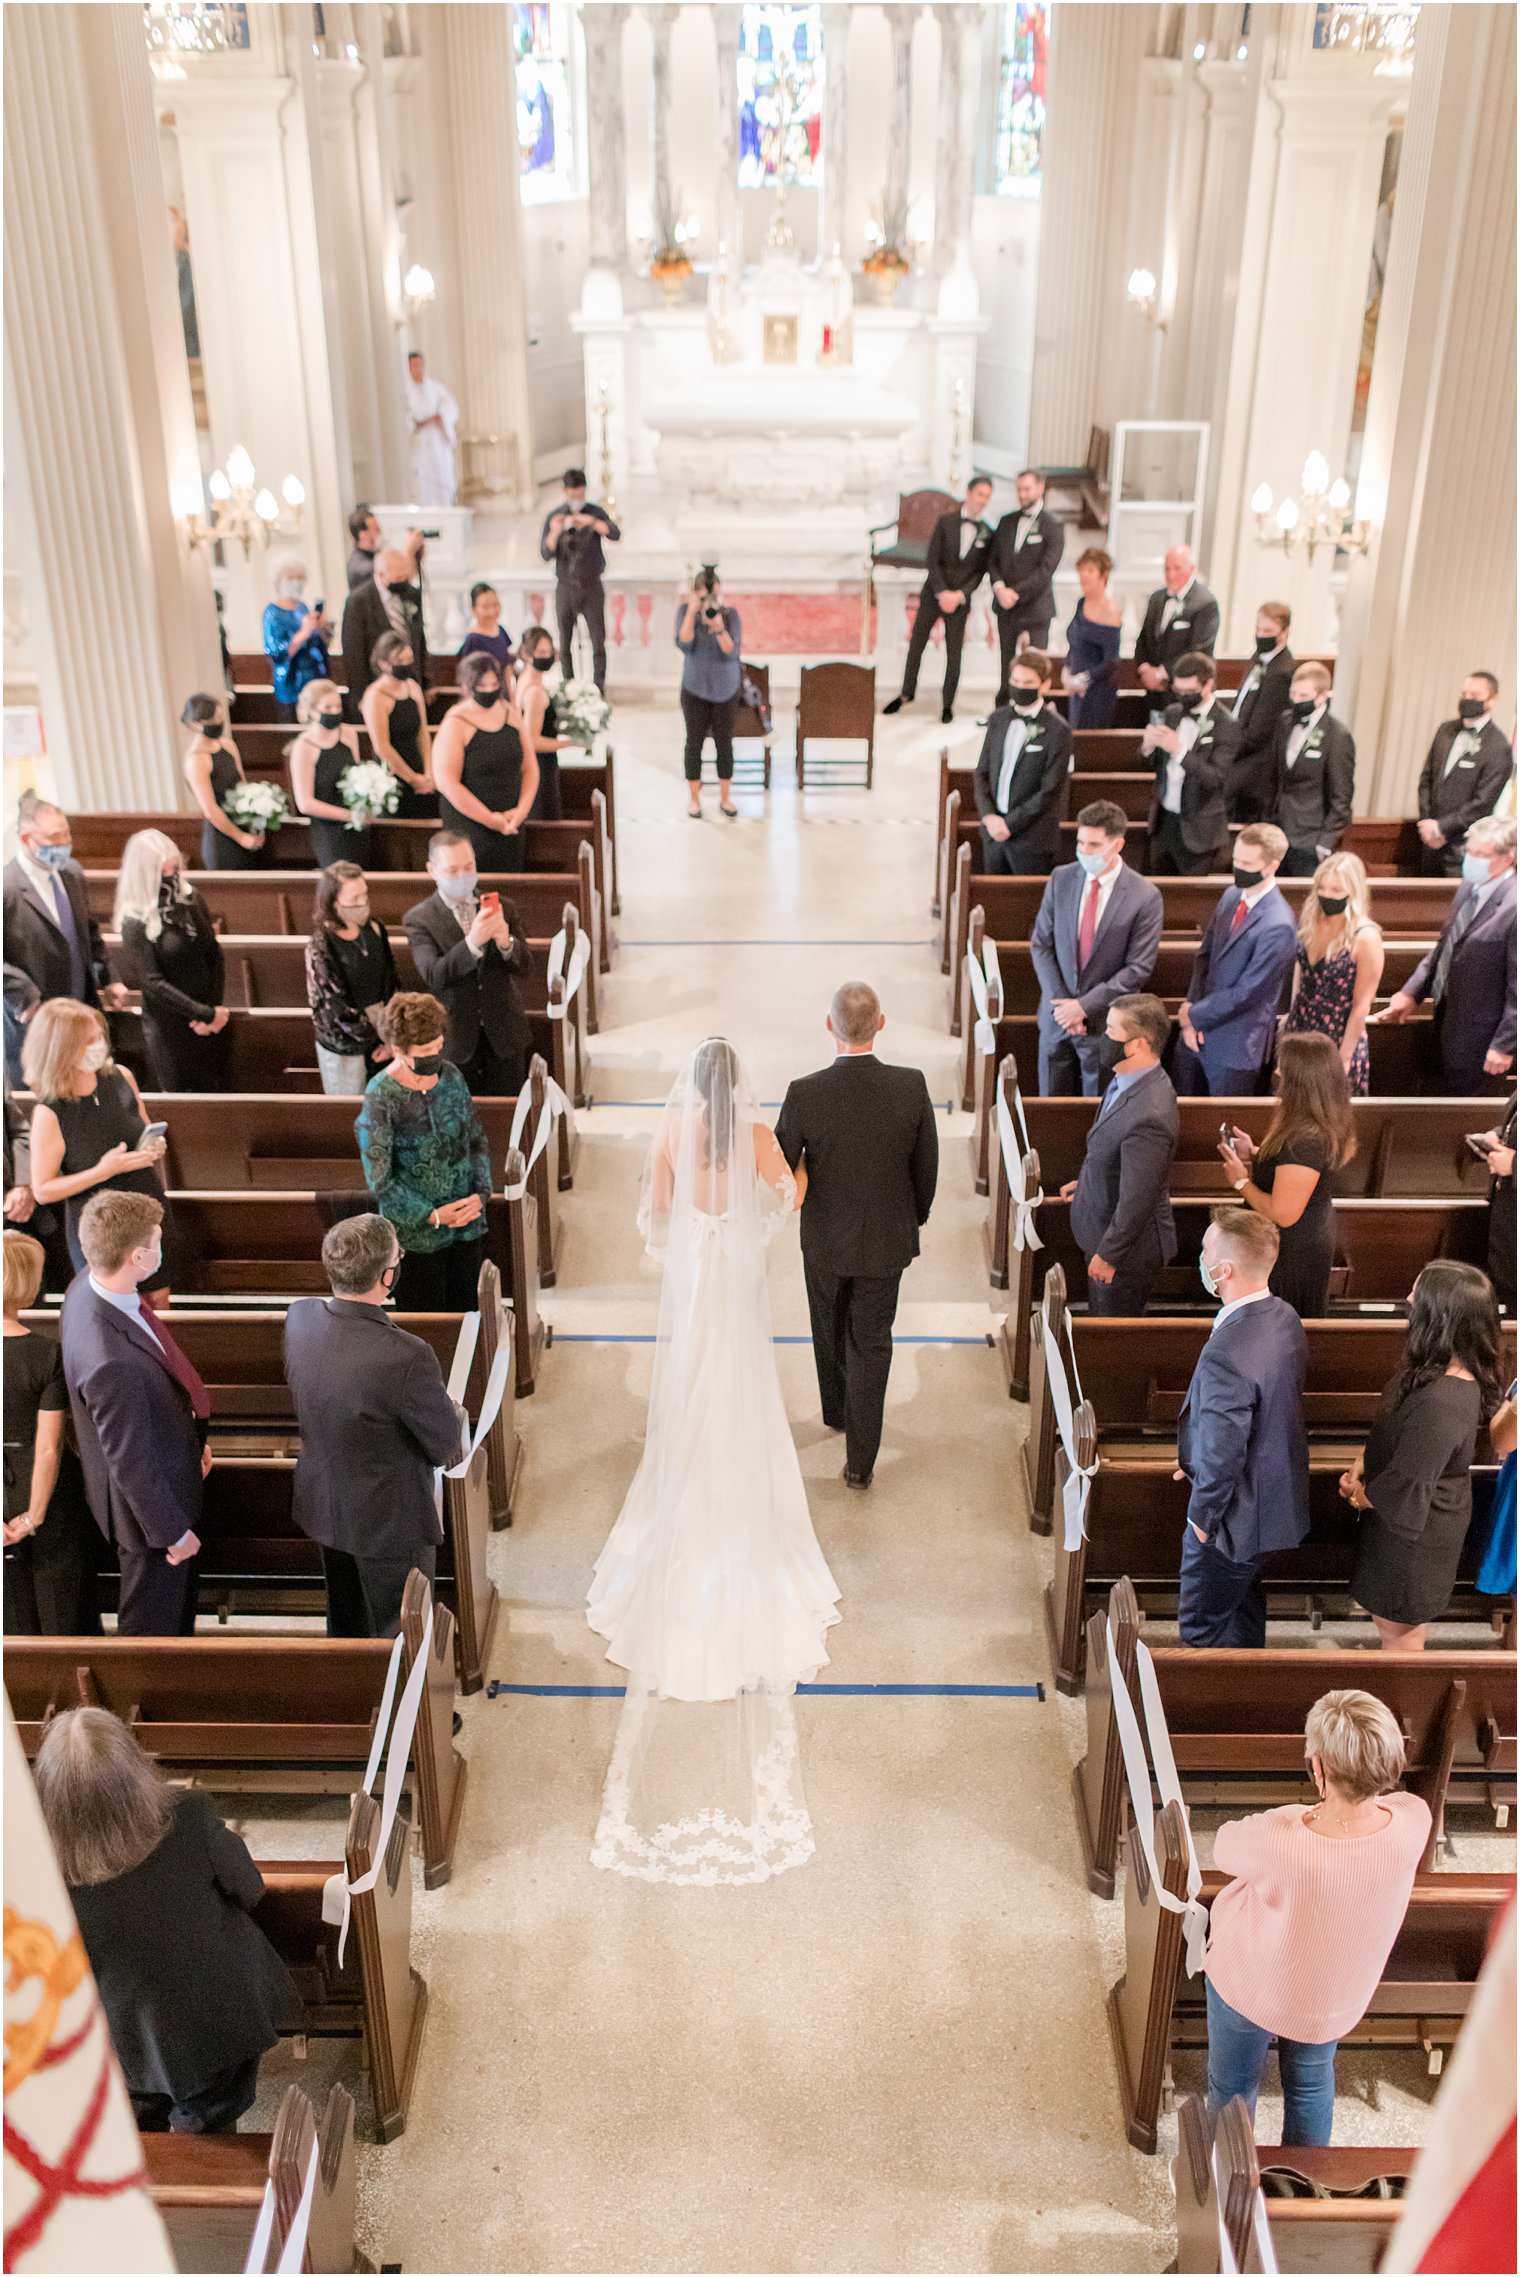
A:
x: 780, y: 96
x: 547, y: 156
x: 1021, y: 97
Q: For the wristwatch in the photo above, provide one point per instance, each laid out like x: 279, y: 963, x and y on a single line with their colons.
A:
x: 1240, y: 1184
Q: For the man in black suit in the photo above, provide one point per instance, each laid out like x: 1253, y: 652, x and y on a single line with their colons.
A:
x: 389, y: 601
x: 364, y: 529
x: 959, y: 546
x: 140, y: 1415
x: 1467, y: 767
x: 1026, y: 553
x: 572, y: 538
x: 1313, y: 773
x: 865, y: 1132
x: 466, y: 953
x: 1194, y: 745
x: 50, y: 935
x: 1121, y: 1211
x: 375, y: 1419
x: 1181, y: 617
x: 1256, y: 706
x: 1020, y: 778
x: 1095, y: 938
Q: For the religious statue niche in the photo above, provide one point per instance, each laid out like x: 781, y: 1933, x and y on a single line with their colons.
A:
x: 546, y: 153
x: 779, y: 340
x: 780, y: 97
x: 1021, y: 97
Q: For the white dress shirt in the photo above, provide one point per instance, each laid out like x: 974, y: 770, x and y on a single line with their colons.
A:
x: 1253, y: 1297
x: 1253, y: 680
x: 1187, y: 736
x: 1300, y: 732
x: 1171, y: 606
x: 1105, y: 887
x: 1464, y: 744
x: 971, y: 530
x: 125, y: 1300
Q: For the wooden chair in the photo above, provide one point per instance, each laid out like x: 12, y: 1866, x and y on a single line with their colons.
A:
x: 907, y: 538
x: 752, y: 724
x: 836, y: 702
x: 1083, y: 489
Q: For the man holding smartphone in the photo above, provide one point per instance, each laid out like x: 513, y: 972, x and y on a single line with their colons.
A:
x: 573, y: 537
x: 467, y: 946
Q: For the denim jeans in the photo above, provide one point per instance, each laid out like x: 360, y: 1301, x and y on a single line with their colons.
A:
x: 1238, y: 2056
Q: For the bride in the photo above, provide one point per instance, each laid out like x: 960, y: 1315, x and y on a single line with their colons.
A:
x: 712, y: 1591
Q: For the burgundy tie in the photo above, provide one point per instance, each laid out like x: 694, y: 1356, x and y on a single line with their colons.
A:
x: 1087, y: 930
x: 1238, y: 919
x: 178, y: 1366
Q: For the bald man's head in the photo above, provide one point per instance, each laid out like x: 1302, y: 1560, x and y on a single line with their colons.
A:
x: 1177, y: 568
x: 392, y: 568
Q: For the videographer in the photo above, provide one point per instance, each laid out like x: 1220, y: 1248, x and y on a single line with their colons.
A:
x: 572, y: 538
x: 707, y: 634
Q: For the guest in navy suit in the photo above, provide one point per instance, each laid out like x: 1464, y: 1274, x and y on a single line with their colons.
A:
x: 1241, y: 1441
x: 1095, y: 938
x: 49, y: 932
x: 1020, y: 778
x: 1469, y: 975
x: 140, y: 1414
x: 1121, y: 1211
x: 1229, y: 1022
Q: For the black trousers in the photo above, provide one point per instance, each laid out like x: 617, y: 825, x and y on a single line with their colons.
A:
x: 1441, y: 861
x: 50, y: 1577
x: 1220, y: 1601
x: 703, y: 719
x: 1298, y: 862
x: 1028, y: 855
x: 491, y: 1074
x: 440, y: 1280
x: 157, y: 1599
x: 364, y: 1594
x: 1172, y: 857
x: 212, y: 2110
x: 590, y: 602
x: 852, y: 1315
x: 1011, y: 624
x: 929, y: 615
x: 1501, y: 1240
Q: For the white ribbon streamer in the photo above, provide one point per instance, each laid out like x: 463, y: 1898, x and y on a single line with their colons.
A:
x: 339, y: 1892
x: 1021, y: 1230
x: 1261, y: 2227
x: 490, y: 1408
x: 555, y: 1105
x: 986, y: 984
x: 580, y: 957
x: 464, y: 1356
x: 1078, y: 1480
x: 293, y: 2251
x: 1137, y: 1772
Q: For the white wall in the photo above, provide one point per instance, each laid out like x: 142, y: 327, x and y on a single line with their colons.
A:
x: 554, y: 248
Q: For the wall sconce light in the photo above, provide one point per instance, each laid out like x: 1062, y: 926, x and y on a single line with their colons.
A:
x: 1141, y: 291
x: 418, y: 291
x: 1319, y: 517
x: 242, y: 509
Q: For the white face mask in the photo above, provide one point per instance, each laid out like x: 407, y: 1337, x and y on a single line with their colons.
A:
x: 153, y: 1263
x: 95, y: 1055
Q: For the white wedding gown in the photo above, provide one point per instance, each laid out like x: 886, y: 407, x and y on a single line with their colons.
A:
x: 711, y: 1590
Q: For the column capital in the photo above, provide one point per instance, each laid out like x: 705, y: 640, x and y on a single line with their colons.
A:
x: 1335, y: 112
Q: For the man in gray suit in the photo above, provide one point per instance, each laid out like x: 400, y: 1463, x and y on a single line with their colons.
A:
x: 375, y: 1420
x: 1095, y: 938
x: 1121, y: 1212
x: 1469, y: 975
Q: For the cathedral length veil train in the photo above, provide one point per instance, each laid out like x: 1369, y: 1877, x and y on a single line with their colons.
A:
x: 711, y: 1591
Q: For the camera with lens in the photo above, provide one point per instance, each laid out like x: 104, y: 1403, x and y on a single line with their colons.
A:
x: 706, y: 581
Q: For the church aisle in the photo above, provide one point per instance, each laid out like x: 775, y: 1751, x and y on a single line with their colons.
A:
x: 896, y: 2056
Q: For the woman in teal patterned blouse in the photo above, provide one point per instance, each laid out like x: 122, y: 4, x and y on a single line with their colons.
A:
x: 425, y: 1159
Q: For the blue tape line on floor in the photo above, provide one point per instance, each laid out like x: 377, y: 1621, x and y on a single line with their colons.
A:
x: 897, y: 1691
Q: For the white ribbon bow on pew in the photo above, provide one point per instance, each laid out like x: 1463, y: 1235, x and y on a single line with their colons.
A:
x: 555, y: 1105
x: 1261, y: 2228
x: 580, y: 957
x: 1021, y: 1230
x: 338, y: 1891
x: 1078, y: 1481
x: 1137, y: 1773
x: 293, y: 2251
x: 490, y: 1405
x: 986, y: 983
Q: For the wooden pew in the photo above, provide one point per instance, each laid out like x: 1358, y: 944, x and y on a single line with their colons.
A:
x: 282, y: 1713
x: 251, y: 670
x: 1344, y: 2225
x: 209, y: 2188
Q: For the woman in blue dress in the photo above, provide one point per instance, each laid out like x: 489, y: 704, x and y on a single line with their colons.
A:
x: 1092, y: 645
x: 295, y: 637
x: 1496, y: 1572
x: 487, y: 635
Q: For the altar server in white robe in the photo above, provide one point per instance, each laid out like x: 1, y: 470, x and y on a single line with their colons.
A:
x: 435, y: 430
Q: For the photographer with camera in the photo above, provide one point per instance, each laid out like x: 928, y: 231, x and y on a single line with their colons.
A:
x: 707, y: 634
x: 574, y: 537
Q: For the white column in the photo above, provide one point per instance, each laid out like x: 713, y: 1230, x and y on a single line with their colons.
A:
x: 900, y: 15
x: 605, y: 148
x: 1435, y: 597
x: 377, y: 340
x: 99, y: 427
x: 662, y: 18
x: 832, y: 202
x: 1131, y: 373
x: 1202, y: 337
x: 728, y: 229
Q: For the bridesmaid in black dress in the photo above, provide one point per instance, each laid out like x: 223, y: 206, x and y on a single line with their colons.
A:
x: 395, y: 715
x: 319, y: 757
x: 212, y: 766
x: 1413, y: 1479
x: 541, y: 724
x: 487, y: 778
x: 52, y: 1544
x: 89, y: 1125
x: 1289, y: 1177
x: 175, y: 959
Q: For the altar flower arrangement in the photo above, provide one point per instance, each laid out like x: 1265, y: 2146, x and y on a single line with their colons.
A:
x: 887, y: 262
x: 368, y: 787
x: 669, y: 261
x: 581, y: 711
x: 257, y: 806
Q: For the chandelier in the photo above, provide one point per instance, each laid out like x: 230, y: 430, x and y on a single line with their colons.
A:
x: 240, y: 510
x: 193, y: 27
x: 1320, y: 516
x: 1361, y: 27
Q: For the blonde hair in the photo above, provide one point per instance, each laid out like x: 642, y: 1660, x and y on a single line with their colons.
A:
x: 114, y: 1223
x: 1265, y: 839
x: 311, y: 696
x: 1357, y: 916
x: 106, y: 1807
x: 24, y: 1260
x: 1313, y: 675
x: 1252, y: 1241
x: 856, y: 1007
x: 56, y: 1041
x: 1358, y: 1742
x: 138, y: 880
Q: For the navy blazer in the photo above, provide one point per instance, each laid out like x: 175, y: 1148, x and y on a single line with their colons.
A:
x: 139, y: 1442
x: 1241, y: 1438
x: 1123, y: 952
x: 1122, y: 1210
x: 375, y: 1418
x: 1478, y: 1007
x: 1236, y: 989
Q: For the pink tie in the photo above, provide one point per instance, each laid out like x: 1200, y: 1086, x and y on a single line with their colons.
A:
x: 1087, y: 930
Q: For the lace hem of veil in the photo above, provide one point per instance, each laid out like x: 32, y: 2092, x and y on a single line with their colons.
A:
x: 712, y: 1846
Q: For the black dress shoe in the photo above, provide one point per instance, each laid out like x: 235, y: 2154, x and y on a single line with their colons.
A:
x: 853, y: 1478
x: 895, y: 705
x: 946, y: 714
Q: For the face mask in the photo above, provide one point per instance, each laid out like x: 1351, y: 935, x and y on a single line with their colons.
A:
x: 329, y: 721
x: 153, y: 1264
x: 291, y: 588
x: 1246, y: 879
x: 168, y: 888
x: 407, y: 592
x: 1111, y: 1050
x: 1304, y: 707
x: 1333, y: 904
x: 1266, y: 642
x: 401, y: 665
x: 55, y: 857
x: 542, y: 663
x: 426, y: 1063
x: 357, y: 915
x: 1093, y: 864
x: 1475, y: 868
x: 458, y: 885
x: 1026, y: 699
x: 487, y: 697
x: 1186, y: 704
x: 1471, y: 708
x: 574, y: 505
x: 1207, y: 1278
x: 95, y: 1055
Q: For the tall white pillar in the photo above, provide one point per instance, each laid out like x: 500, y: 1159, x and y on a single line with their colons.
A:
x: 605, y: 147
x: 1131, y: 374
x: 1205, y: 322
x: 728, y: 229
x: 662, y: 16
x: 900, y: 15
x: 100, y: 437
x: 362, y: 162
x: 833, y: 201
x: 1435, y: 597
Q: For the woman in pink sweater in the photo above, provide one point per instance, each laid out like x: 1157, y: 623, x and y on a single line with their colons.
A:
x: 1299, y: 1937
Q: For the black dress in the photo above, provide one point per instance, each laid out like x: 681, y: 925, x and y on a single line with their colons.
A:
x: 49, y: 1575
x: 548, y: 801
x: 334, y: 841
x: 1501, y: 1221
x: 217, y: 851
x: 404, y: 728
x: 181, y: 976
x: 493, y: 771
x: 1306, y: 1252
x: 1417, y: 1474
x: 91, y: 1126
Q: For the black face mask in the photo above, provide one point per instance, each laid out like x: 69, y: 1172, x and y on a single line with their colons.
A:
x: 401, y: 665
x: 1027, y: 699
x: 168, y: 892
x: 406, y: 592
x: 1471, y: 708
x: 541, y: 663
x: 1187, y: 704
x: 1246, y: 879
x: 426, y: 1063
x: 328, y: 721
x: 1304, y: 707
x: 486, y: 697
x: 1111, y: 1050
x: 1333, y: 904
x: 1266, y: 642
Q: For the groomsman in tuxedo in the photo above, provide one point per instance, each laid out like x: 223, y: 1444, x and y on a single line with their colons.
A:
x: 1095, y: 939
x: 1229, y: 1021
x: 1181, y: 616
x: 1193, y: 746
x: 573, y: 538
x: 1467, y: 767
x: 1026, y: 553
x: 1256, y: 706
x: 1121, y: 1211
x: 1313, y: 773
x: 1020, y: 777
x: 959, y: 546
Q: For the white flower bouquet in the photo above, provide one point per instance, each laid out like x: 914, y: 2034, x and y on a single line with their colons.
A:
x: 581, y: 711
x: 368, y: 787
x: 257, y: 806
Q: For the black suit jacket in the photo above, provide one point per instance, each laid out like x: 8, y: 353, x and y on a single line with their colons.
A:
x: 1122, y: 1209
x: 1038, y: 785
x: 1029, y: 567
x: 365, y: 618
x: 866, y: 1131
x: 1206, y: 766
x: 1196, y: 625
x: 477, y: 992
x: 1256, y: 711
x: 1458, y: 800
x: 1311, y: 801
x: 34, y: 942
x: 947, y: 570
x: 139, y: 1442
x: 578, y: 556
x: 375, y: 1420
